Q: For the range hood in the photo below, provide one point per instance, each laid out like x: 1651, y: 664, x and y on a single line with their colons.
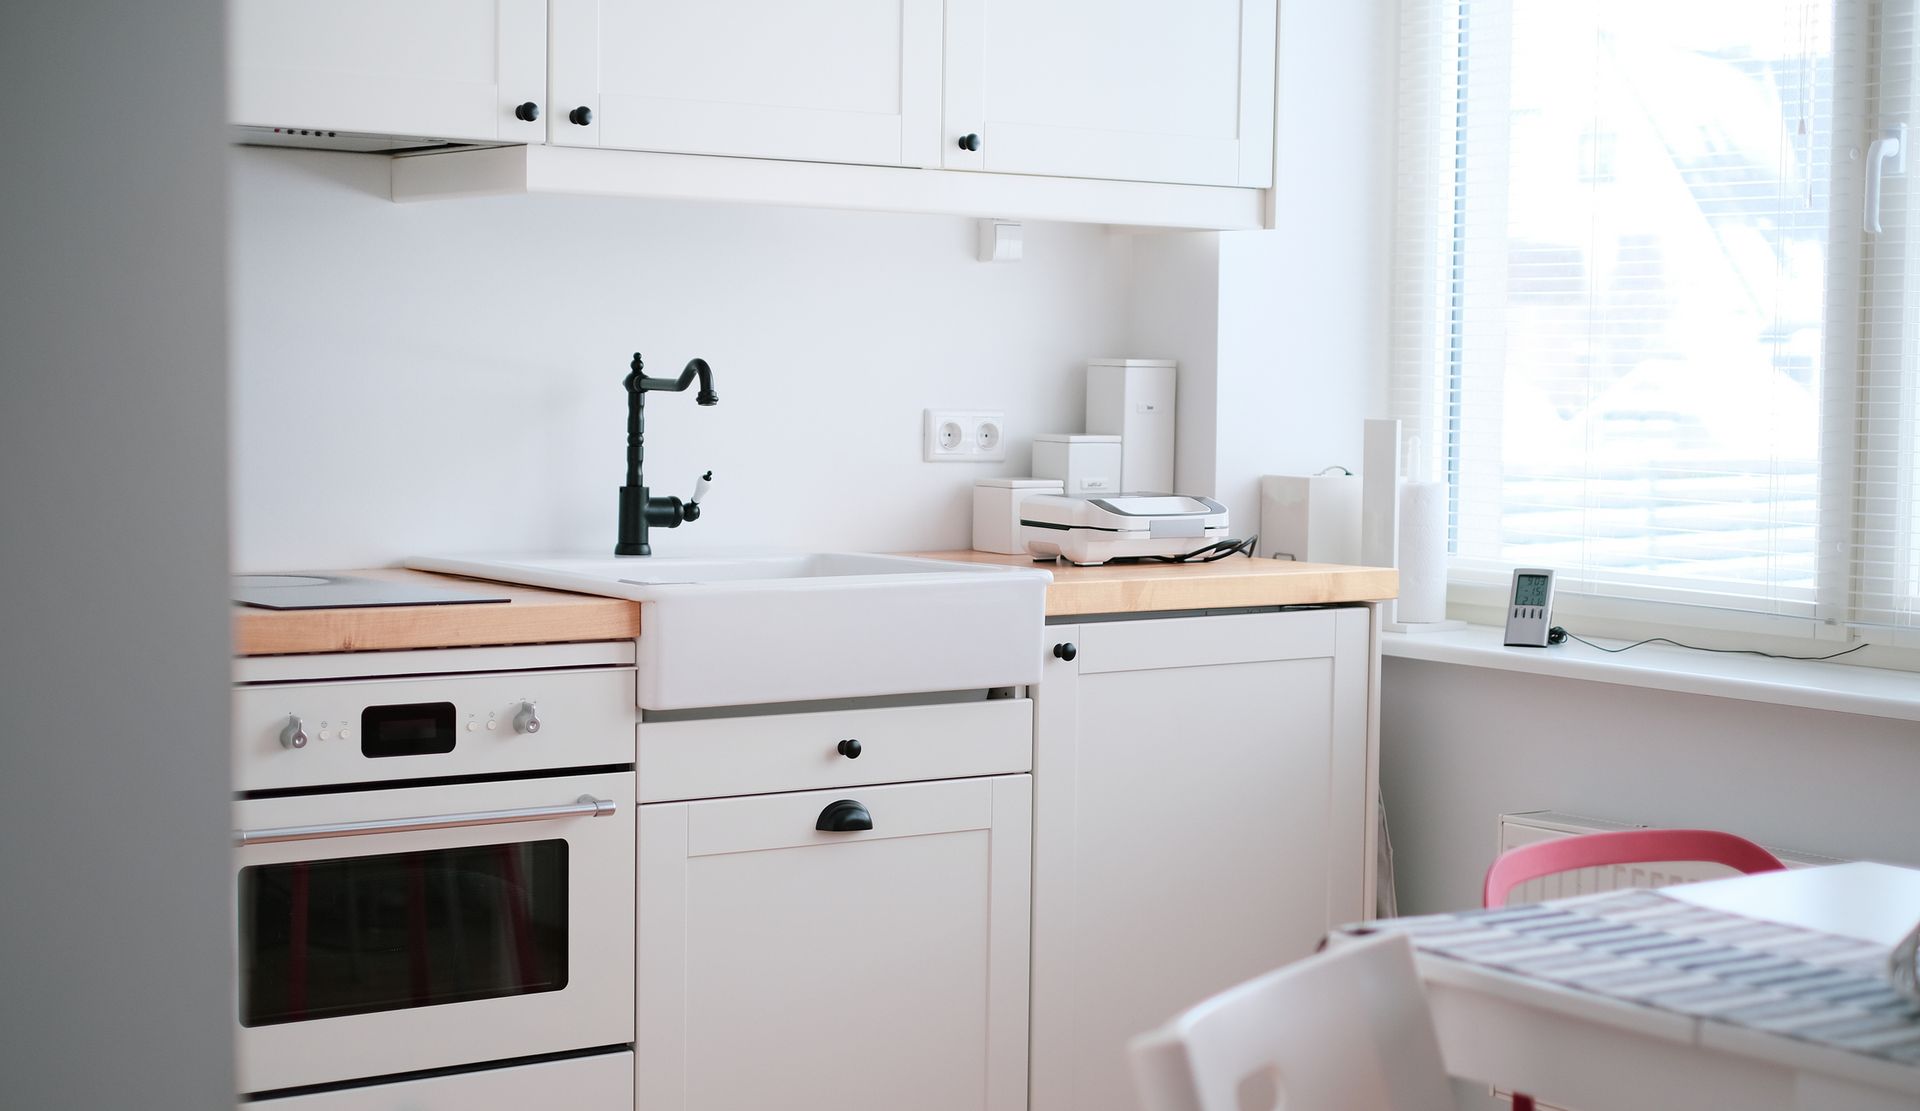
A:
x: 321, y: 139
x: 512, y: 170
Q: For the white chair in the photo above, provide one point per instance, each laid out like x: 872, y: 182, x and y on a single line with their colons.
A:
x: 1346, y: 1030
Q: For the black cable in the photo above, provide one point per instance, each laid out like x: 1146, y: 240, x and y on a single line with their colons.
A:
x: 1219, y: 549
x: 1728, y: 651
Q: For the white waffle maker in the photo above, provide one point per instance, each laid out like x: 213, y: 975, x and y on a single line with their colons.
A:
x: 1088, y: 531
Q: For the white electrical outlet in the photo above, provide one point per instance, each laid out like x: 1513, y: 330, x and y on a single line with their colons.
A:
x: 970, y: 436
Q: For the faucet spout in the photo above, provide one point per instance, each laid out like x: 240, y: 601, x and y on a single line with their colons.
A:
x: 638, y: 383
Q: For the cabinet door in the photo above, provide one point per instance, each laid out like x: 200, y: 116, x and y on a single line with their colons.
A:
x: 441, y: 69
x: 1200, y: 802
x: 815, y: 80
x: 1135, y: 89
x: 781, y: 966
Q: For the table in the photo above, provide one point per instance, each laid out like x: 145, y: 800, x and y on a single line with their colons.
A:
x: 1595, y: 1052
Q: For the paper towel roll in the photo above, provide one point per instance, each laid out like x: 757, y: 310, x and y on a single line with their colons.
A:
x: 1422, y: 555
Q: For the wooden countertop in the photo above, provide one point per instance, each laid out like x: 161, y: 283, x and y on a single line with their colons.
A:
x: 532, y: 616
x: 537, y: 616
x: 1225, y: 584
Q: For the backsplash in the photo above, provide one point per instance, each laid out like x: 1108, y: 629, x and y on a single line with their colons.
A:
x: 445, y: 377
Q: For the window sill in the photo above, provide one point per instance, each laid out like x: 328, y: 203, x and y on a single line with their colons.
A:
x: 1840, y: 688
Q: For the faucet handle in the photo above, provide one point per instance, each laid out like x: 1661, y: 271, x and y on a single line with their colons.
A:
x: 690, y: 509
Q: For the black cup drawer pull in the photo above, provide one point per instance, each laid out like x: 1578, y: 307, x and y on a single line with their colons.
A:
x: 844, y: 816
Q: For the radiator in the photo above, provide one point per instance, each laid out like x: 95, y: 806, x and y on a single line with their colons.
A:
x: 1546, y: 825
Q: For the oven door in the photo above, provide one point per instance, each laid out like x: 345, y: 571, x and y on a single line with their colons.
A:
x: 389, y: 931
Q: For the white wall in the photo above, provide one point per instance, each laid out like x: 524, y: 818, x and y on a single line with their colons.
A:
x: 114, y: 893
x: 1461, y: 745
x: 1173, y: 312
x: 1282, y: 335
x: 445, y: 377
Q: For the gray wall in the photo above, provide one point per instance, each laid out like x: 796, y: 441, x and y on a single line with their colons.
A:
x: 113, y: 552
x: 1462, y: 745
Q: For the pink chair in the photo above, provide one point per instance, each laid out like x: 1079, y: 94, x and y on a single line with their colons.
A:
x: 1633, y: 846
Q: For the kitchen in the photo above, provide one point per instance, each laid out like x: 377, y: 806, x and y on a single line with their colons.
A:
x: 476, y: 346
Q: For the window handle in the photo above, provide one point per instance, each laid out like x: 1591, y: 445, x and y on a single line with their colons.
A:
x: 1891, y: 145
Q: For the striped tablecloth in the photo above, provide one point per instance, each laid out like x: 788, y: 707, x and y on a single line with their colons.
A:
x: 1647, y: 948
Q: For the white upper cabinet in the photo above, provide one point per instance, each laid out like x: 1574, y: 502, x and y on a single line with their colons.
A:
x: 439, y: 69
x: 813, y: 80
x: 1139, y: 90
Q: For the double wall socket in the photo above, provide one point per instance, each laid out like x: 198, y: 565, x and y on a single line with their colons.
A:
x: 971, y: 436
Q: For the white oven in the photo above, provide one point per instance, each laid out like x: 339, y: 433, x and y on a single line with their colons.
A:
x: 431, y: 872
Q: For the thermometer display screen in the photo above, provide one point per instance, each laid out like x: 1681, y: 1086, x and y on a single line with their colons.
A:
x: 1530, y: 590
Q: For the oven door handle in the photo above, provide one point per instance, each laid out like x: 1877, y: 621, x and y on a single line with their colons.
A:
x: 585, y: 807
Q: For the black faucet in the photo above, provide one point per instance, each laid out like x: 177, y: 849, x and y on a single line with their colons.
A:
x: 638, y: 511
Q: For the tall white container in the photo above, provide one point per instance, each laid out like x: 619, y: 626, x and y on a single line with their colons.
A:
x: 1133, y: 399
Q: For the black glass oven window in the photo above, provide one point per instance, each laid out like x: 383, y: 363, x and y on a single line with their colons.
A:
x: 420, y: 729
x: 327, y: 938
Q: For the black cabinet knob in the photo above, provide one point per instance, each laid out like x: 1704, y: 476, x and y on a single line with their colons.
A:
x: 582, y: 115
x: 850, y: 749
x: 1065, y: 651
x: 528, y: 112
x: 844, y: 816
x: 969, y: 141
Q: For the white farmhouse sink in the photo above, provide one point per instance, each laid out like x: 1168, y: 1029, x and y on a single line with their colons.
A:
x: 742, y: 630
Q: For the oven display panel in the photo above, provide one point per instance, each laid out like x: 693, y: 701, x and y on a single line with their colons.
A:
x: 419, y: 729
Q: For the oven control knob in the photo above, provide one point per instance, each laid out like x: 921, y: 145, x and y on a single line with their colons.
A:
x: 294, y: 735
x: 527, y: 720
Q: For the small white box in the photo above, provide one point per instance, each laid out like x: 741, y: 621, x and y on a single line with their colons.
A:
x: 1133, y: 399
x: 1088, y: 465
x: 996, y: 511
x: 1311, y: 518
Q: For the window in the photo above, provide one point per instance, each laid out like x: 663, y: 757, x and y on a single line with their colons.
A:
x: 1638, y: 311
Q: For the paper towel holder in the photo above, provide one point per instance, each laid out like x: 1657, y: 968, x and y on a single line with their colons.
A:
x: 1380, y: 518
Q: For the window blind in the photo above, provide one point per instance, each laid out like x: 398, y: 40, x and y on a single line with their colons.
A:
x: 1638, y: 322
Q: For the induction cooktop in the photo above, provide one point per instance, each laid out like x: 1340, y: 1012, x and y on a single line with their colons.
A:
x: 313, y: 592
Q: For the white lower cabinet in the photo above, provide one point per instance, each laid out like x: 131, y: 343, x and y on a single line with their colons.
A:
x: 1204, y: 800
x: 781, y: 965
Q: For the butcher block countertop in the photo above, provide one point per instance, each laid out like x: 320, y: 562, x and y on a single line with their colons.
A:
x: 537, y: 616
x: 533, y: 616
x: 1229, y: 583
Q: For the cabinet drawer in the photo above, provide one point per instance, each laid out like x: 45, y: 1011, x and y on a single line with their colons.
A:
x: 718, y: 757
x: 1156, y: 643
x: 598, y: 1083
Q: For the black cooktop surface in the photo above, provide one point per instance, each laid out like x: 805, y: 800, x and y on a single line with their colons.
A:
x: 314, y: 592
